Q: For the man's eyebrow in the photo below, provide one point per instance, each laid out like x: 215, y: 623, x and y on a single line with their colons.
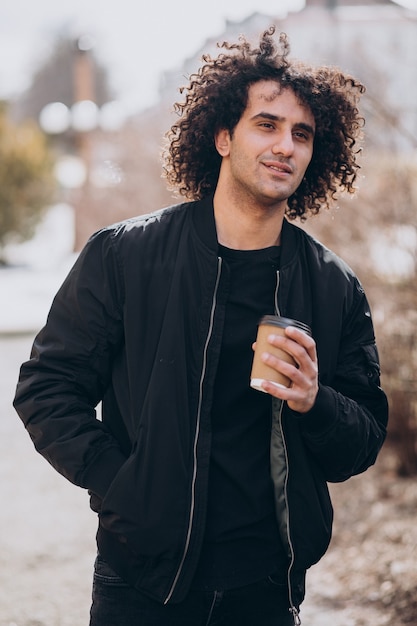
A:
x: 278, y: 118
x: 268, y: 116
x: 307, y: 127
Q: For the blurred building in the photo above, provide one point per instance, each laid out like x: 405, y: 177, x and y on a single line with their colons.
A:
x: 375, y: 40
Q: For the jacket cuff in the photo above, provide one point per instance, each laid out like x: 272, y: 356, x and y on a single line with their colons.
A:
x: 101, y: 474
x: 321, y: 417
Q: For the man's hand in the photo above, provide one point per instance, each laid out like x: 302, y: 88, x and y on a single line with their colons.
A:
x: 301, y: 395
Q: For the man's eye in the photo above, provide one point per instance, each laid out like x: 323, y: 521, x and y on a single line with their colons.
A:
x: 301, y: 135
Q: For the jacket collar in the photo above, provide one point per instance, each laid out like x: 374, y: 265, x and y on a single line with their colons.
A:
x: 204, y: 223
x: 289, y: 242
x: 205, y: 226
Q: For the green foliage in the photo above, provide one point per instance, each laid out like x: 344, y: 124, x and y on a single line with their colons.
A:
x: 26, y: 178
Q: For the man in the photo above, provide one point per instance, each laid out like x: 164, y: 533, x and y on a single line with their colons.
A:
x: 211, y: 496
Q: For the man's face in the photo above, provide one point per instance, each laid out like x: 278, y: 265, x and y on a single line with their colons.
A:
x: 265, y: 159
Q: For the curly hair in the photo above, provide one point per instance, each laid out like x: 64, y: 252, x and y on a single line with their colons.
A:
x: 217, y: 96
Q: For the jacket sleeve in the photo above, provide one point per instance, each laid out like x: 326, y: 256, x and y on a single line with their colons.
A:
x: 69, y: 369
x: 347, y: 425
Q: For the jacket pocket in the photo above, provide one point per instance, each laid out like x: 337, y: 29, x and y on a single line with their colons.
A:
x: 145, y: 505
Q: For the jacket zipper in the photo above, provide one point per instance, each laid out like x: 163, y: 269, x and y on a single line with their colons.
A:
x: 276, y: 296
x: 293, y: 610
x: 197, y: 433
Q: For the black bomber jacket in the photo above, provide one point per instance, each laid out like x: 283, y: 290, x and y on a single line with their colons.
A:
x: 137, y: 324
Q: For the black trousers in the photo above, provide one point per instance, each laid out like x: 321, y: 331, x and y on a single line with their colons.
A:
x: 115, y: 603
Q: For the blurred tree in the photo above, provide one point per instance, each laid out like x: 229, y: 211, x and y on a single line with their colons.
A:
x: 125, y: 177
x: 55, y: 80
x: 69, y: 75
x: 376, y: 233
x: 26, y: 178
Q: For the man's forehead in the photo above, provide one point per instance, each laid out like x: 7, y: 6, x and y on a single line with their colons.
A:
x: 269, y: 90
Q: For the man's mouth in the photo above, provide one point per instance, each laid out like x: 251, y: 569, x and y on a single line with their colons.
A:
x: 278, y: 166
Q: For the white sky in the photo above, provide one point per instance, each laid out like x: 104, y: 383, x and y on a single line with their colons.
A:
x: 135, y: 39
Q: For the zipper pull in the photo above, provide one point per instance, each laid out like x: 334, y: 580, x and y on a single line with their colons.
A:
x: 296, y: 616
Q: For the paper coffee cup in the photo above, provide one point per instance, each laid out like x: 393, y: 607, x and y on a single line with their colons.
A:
x: 272, y: 324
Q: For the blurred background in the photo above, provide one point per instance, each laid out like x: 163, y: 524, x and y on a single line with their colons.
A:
x: 86, y: 95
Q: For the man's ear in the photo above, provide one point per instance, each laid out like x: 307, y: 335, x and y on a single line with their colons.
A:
x: 222, y: 142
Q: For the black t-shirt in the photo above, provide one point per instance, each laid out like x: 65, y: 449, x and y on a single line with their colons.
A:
x: 242, y: 543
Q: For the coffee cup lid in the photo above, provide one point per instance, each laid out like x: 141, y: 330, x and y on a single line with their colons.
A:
x: 283, y: 322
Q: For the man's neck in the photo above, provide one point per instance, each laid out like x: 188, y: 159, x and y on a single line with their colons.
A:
x: 243, y: 227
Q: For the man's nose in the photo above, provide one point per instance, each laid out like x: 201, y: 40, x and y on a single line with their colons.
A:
x: 284, y: 144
